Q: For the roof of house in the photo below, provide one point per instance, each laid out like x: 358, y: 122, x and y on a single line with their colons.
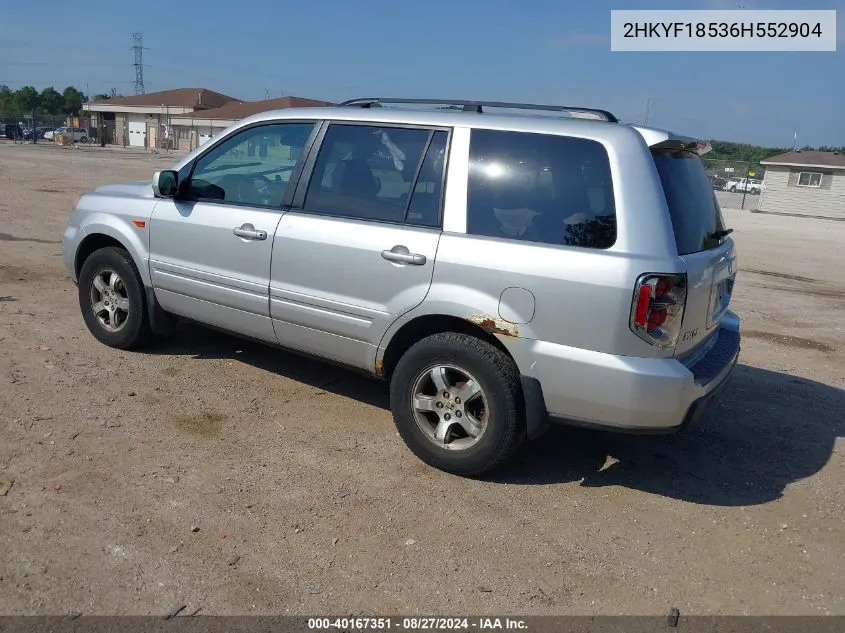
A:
x: 198, y: 98
x: 236, y: 110
x: 808, y: 158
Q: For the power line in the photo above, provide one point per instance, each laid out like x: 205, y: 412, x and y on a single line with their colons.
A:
x: 75, y: 64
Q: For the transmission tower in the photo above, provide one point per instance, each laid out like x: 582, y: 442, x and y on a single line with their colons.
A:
x: 138, y: 47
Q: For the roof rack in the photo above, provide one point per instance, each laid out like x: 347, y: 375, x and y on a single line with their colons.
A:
x: 478, y: 106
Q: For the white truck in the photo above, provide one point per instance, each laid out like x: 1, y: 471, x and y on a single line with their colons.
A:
x: 747, y: 185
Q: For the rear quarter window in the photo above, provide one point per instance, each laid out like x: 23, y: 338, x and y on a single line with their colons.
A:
x: 694, y: 210
x: 540, y: 188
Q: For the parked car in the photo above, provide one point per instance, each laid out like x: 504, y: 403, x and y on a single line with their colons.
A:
x: 13, y: 131
x: 748, y: 185
x: 80, y: 135
x: 717, y: 182
x: 500, y: 272
x: 37, y: 132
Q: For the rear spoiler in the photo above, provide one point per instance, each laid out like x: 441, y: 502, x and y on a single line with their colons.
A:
x: 690, y: 145
x: 662, y: 139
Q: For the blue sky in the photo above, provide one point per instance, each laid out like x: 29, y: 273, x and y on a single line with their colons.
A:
x: 546, y: 51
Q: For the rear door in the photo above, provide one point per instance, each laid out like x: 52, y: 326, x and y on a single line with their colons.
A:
x: 357, y: 249
x: 700, y: 235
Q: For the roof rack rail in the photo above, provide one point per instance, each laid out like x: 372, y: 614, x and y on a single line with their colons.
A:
x: 478, y: 106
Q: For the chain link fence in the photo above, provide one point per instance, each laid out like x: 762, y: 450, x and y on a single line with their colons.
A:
x: 21, y: 127
x: 738, y: 184
x: 157, y: 135
x: 152, y: 133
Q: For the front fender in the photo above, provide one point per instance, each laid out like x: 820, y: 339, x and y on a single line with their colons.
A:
x: 134, y: 239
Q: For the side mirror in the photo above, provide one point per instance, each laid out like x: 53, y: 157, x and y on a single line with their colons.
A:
x: 166, y: 184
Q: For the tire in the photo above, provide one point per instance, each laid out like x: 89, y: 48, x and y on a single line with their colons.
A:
x: 497, y: 410
x: 733, y: 189
x: 120, y: 327
x: 83, y: 140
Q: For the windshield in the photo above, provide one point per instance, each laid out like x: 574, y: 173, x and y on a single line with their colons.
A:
x: 696, y: 216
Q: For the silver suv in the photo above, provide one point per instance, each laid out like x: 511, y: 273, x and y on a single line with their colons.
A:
x: 500, y: 270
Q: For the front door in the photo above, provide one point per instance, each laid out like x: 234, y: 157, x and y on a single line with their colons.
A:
x: 358, y: 248
x: 210, y: 248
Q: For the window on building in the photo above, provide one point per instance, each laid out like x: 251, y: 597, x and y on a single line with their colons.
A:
x: 810, y: 179
x: 540, y: 188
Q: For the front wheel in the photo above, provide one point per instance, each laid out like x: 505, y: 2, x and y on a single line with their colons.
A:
x: 111, y: 297
x: 457, y: 403
x: 733, y: 189
x: 83, y: 140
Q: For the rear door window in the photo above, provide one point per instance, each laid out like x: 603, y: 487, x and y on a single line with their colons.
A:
x: 540, y: 188
x: 695, y: 212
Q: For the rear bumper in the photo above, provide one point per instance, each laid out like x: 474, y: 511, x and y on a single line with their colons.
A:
x: 633, y: 395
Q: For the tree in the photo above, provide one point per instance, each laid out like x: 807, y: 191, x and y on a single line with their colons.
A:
x: 6, y: 98
x: 52, y: 102
x: 73, y: 100
x: 26, y: 99
x: 104, y: 97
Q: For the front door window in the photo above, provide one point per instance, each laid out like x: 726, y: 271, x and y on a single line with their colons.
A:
x: 252, y: 167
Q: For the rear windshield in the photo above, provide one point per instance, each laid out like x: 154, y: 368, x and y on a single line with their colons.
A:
x: 696, y: 216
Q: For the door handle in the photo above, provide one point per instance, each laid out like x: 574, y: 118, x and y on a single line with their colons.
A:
x: 401, y: 255
x: 248, y: 232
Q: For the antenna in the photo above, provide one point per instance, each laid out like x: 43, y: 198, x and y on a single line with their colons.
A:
x: 138, y: 47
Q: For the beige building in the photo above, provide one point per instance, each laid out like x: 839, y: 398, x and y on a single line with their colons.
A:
x: 195, y: 128
x: 143, y: 120
x: 810, y: 183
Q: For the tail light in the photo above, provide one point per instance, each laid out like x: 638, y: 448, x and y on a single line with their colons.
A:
x: 658, y: 308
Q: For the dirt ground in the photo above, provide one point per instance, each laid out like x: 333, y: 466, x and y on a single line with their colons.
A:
x: 232, y: 478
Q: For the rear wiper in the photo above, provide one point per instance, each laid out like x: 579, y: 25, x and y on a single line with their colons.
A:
x: 717, y: 235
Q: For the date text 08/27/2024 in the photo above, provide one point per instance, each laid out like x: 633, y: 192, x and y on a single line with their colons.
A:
x: 414, y: 624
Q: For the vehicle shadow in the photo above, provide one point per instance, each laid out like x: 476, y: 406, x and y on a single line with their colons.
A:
x: 202, y: 343
x: 769, y: 430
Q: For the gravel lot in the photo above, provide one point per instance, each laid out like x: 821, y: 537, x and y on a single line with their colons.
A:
x: 728, y: 200
x: 232, y: 478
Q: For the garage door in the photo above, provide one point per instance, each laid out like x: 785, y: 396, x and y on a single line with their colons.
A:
x: 137, y: 134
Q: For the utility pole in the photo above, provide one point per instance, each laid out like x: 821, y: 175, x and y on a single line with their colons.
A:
x: 138, y: 47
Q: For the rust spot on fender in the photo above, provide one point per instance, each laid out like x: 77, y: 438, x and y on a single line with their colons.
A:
x: 379, y: 368
x: 494, y: 326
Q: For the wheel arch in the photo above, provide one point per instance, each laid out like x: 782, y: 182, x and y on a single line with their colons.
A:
x: 532, y: 402
x: 419, y: 327
x: 100, y: 235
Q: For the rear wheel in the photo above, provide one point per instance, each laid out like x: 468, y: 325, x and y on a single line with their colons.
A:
x: 83, y: 140
x: 457, y: 403
x: 733, y: 189
x: 111, y: 297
